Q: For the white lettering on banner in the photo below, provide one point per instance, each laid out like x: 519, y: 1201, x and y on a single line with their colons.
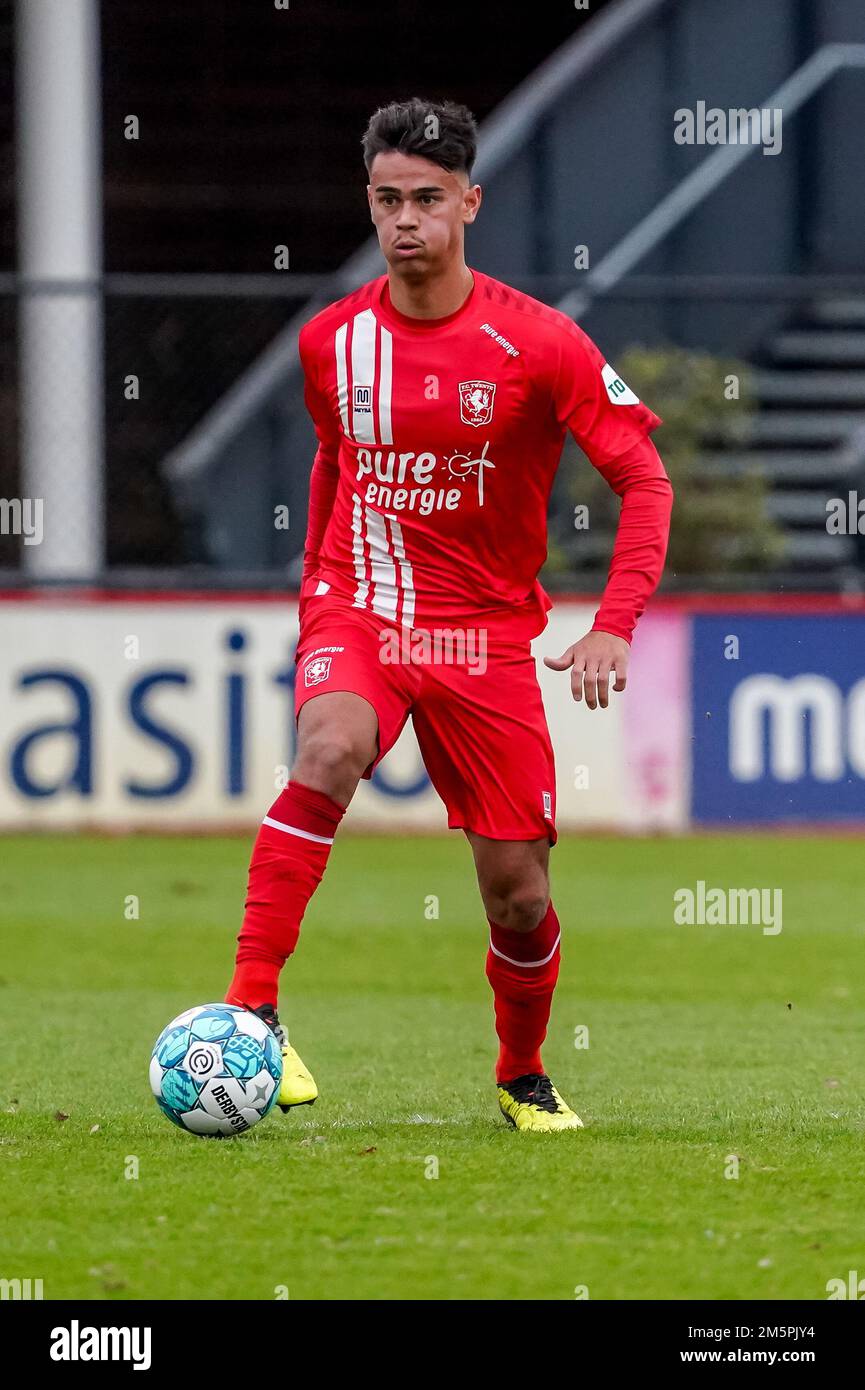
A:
x: 189, y: 735
x: 806, y: 724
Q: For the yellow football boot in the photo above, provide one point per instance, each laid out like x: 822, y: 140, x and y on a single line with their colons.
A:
x: 533, y: 1103
x: 297, y: 1086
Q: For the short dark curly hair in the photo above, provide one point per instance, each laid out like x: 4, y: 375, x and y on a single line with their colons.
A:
x: 442, y: 131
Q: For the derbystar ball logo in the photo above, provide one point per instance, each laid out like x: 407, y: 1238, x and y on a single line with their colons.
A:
x: 317, y: 670
x: 476, y: 402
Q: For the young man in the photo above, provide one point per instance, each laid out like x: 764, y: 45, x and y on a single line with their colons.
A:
x: 441, y: 399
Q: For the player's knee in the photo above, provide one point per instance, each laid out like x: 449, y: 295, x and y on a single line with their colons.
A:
x: 526, y: 910
x: 522, y: 907
x: 330, y: 757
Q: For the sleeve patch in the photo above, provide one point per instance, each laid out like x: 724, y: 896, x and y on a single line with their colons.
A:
x: 618, y: 392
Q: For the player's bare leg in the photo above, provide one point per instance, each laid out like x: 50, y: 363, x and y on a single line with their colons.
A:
x: 513, y: 878
x: 522, y: 968
x: 337, y: 740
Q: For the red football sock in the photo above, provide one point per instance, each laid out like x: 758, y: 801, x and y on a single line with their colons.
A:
x: 522, y: 968
x: 287, y: 865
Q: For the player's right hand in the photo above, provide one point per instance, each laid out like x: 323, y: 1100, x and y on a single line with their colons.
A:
x: 593, y: 660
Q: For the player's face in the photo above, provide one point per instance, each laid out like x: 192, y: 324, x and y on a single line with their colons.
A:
x: 419, y: 211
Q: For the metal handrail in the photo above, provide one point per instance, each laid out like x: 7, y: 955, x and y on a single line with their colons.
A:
x: 502, y: 133
x: 280, y: 359
x: 696, y: 186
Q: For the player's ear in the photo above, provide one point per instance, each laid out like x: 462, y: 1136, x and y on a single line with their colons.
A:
x: 369, y: 199
x: 472, y: 201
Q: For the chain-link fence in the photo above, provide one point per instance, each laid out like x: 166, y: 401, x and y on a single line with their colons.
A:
x: 167, y: 360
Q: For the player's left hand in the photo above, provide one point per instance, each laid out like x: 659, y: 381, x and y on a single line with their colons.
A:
x: 593, y: 659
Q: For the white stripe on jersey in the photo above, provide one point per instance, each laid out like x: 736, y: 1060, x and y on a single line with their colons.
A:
x: 385, y: 387
x: 385, y: 594
x: 405, y: 571
x: 362, y: 589
x: 363, y: 374
x: 372, y: 542
x: 342, y: 375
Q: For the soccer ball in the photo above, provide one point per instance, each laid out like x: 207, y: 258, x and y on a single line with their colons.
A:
x: 216, y: 1070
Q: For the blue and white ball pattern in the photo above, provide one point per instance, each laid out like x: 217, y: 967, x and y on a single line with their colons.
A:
x: 215, y: 1070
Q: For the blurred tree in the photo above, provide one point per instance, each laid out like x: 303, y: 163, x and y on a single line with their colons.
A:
x: 720, y: 524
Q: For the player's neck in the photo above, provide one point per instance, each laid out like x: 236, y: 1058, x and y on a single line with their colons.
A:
x: 434, y: 297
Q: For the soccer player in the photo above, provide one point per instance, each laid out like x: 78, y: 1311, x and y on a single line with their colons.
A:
x: 441, y: 399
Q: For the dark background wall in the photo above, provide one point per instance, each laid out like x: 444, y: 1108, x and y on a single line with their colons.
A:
x: 250, y: 124
x: 251, y: 117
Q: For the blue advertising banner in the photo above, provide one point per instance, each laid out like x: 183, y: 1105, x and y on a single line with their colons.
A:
x: 778, y: 719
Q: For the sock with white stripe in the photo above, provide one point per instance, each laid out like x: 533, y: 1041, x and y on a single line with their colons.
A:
x: 522, y: 968
x: 287, y: 865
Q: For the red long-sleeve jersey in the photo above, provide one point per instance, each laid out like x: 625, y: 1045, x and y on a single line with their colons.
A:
x: 438, y: 442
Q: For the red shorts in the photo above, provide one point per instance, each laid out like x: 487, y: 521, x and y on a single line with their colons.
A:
x: 476, y: 709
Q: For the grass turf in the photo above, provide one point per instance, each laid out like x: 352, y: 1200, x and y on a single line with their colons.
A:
x: 704, y: 1042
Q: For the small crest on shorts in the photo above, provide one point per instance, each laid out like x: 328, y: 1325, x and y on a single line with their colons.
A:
x: 476, y: 402
x: 548, y: 805
x: 316, y: 670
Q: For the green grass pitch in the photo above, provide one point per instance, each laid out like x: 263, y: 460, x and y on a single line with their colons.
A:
x: 704, y: 1042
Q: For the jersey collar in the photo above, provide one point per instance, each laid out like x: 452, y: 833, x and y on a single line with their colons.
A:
x: 392, y: 316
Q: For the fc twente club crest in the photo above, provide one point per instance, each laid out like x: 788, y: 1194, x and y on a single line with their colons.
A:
x: 317, y: 670
x: 476, y: 402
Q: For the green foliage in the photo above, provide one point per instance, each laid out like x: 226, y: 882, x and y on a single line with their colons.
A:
x: 720, y: 525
